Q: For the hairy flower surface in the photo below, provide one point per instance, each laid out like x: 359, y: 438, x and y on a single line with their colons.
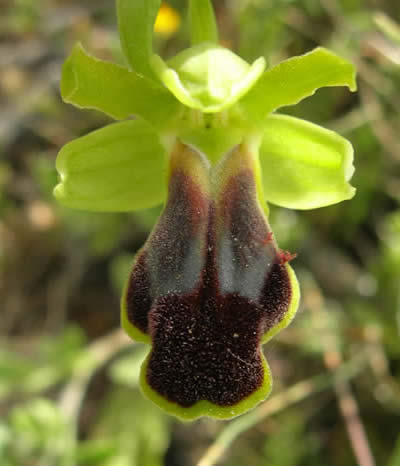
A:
x: 210, y: 285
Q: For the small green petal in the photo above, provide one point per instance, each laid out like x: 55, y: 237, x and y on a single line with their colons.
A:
x: 294, y: 79
x: 203, y: 27
x: 208, y: 77
x: 88, y: 82
x: 120, y: 167
x: 303, y: 165
x: 136, y: 20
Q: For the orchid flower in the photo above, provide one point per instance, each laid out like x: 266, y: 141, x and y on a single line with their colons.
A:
x: 210, y: 285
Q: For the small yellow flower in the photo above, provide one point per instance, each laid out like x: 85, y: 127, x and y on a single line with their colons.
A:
x: 168, y: 21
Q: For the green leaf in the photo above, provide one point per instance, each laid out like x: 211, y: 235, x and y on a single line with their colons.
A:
x: 203, y: 27
x: 294, y: 79
x: 125, y: 370
x: 88, y: 82
x: 120, y: 167
x: 136, y: 20
x: 303, y: 165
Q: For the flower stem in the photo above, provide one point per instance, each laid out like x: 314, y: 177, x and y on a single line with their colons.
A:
x: 295, y: 394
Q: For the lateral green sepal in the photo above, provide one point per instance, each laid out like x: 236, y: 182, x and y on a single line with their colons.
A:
x: 118, y: 168
x: 303, y: 165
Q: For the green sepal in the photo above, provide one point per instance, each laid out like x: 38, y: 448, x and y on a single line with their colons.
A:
x: 208, y: 77
x: 304, y: 166
x: 121, y: 167
x: 206, y: 408
x: 136, y: 20
x: 294, y: 79
x: 203, y: 27
x: 88, y: 82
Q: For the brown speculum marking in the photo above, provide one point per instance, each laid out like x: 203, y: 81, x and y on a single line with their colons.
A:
x: 208, y: 284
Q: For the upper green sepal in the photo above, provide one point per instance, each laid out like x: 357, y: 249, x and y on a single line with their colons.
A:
x: 303, y: 165
x: 121, y: 167
x: 295, y: 79
x: 203, y: 27
x: 208, y: 77
x: 88, y: 82
x: 136, y: 20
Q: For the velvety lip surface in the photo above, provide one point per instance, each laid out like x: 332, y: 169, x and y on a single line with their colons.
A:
x: 206, y: 287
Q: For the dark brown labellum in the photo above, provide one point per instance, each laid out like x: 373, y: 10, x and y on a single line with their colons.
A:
x: 209, y: 283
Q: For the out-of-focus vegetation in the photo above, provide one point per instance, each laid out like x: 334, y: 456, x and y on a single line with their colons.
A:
x: 68, y: 376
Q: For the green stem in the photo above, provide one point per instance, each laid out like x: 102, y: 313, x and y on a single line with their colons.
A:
x: 72, y: 396
x: 298, y: 392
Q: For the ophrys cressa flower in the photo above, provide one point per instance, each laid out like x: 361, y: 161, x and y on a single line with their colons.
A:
x: 210, y: 285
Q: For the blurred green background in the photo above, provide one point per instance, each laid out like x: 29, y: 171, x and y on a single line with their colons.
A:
x: 68, y: 375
